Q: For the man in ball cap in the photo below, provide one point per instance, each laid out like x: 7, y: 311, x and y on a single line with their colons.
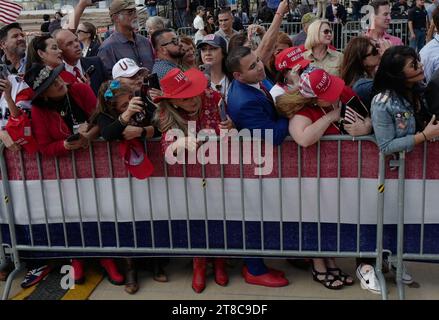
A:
x: 307, y: 19
x: 124, y: 42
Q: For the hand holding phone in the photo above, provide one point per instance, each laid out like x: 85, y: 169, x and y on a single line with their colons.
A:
x: 73, y: 137
x: 90, y: 70
x: 222, y: 110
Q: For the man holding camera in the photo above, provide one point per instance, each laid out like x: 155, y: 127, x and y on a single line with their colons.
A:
x: 86, y: 69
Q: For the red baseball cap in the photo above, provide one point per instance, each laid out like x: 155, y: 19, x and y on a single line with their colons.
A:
x: 177, y: 84
x: 317, y: 83
x: 135, y: 158
x: 289, y: 58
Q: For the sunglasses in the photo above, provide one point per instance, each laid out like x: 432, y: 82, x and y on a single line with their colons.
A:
x: 327, y: 31
x: 79, y: 31
x: 174, y: 41
x: 374, y: 52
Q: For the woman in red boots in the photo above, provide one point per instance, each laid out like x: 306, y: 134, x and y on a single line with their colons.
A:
x: 59, y: 110
x: 186, y: 97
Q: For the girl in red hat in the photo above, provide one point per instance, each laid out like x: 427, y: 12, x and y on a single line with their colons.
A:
x: 186, y: 97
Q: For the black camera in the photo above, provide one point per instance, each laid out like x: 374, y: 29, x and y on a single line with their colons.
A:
x: 152, y: 81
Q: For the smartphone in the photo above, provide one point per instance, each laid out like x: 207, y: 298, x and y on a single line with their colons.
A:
x: 353, y: 106
x: 90, y: 70
x: 73, y: 137
x: 222, y: 110
x: 152, y: 81
x: 139, y: 116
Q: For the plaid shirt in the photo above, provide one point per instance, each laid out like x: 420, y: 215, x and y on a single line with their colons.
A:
x: 117, y: 46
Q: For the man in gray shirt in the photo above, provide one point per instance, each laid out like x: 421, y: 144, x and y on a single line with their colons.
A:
x: 225, y: 21
x: 124, y: 42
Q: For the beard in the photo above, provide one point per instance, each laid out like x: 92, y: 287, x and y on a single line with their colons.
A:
x: 20, y: 51
x: 177, y: 55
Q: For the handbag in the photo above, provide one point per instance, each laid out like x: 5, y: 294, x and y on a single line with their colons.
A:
x: 19, y: 128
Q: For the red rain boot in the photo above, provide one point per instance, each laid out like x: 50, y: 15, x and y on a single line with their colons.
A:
x: 221, y: 277
x: 199, y: 275
x: 113, y: 274
x: 78, y: 268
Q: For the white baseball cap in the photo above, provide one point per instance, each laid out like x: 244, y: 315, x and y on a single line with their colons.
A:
x: 125, y: 68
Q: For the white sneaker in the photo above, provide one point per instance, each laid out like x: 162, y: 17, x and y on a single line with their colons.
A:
x: 368, y: 279
x: 406, y: 277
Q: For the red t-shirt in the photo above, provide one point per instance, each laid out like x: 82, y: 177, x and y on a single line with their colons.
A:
x: 315, y: 113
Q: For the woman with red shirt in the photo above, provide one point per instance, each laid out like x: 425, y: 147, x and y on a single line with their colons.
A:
x: 59, y: 124
x: 314, y: 111
x: 186, y: 97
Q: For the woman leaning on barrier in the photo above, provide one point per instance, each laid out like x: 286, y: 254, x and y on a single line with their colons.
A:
x: 314, y: 111
x: 186, y: 97
x: 59, y: 124
x: 121, y: 115
x: 399, y: 113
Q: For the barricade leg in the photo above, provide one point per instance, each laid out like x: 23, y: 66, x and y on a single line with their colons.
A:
x: 11, y: 223
x: 380, y: 223
x: 400, y: 243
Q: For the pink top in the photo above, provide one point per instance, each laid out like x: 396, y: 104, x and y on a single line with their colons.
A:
x: 395, y: 41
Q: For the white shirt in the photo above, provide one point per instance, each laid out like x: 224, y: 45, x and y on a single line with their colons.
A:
x: 199, y: 25
x: 276, y: 91
x: 69, y: 68
x: 225, y: 84
x: 17, y: 85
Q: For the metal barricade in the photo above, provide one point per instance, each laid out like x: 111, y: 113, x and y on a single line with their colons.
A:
x: 416, y: 169
x: 87, y: 203
x: 187, y: 31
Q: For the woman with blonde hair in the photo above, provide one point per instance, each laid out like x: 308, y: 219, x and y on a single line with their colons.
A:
x: 186, y: 97
x: 319, y: 49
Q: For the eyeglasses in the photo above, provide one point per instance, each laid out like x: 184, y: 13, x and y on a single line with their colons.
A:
x: 374, y: 52
x: 174, y: 41
x: 79, y: 31
x: 327, y: 31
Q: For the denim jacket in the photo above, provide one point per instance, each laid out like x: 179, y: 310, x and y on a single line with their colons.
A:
x: 393, y: 121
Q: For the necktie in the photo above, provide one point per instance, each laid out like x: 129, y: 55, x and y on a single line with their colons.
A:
x: 267, y: 93
x: 77, y: 72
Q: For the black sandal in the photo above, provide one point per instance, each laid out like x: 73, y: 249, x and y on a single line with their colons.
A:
x: 328, y: 280
x: 343, y: 277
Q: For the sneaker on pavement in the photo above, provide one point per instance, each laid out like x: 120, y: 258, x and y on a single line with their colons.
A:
x: 33, y: 276
x: 368, y: 279
x: 406, y: 277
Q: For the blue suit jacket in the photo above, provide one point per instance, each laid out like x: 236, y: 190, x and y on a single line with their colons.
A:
x: 249, y: 108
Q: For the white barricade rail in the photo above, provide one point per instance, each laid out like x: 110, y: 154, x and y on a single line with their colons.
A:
x: 317, y: 201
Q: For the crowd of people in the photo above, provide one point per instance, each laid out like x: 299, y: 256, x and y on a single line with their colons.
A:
x: 75, y: 89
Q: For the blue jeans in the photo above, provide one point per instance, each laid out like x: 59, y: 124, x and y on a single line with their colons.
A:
x: 180, y: 18
x: 152, y: 11
x: 419, y: 41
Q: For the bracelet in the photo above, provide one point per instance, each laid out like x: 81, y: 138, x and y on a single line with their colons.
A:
x: 122, y: 121
x: 425, y: 137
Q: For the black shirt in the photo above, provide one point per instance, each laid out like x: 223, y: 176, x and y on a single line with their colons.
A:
x: 418, y: 17
x: 45, y: 26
